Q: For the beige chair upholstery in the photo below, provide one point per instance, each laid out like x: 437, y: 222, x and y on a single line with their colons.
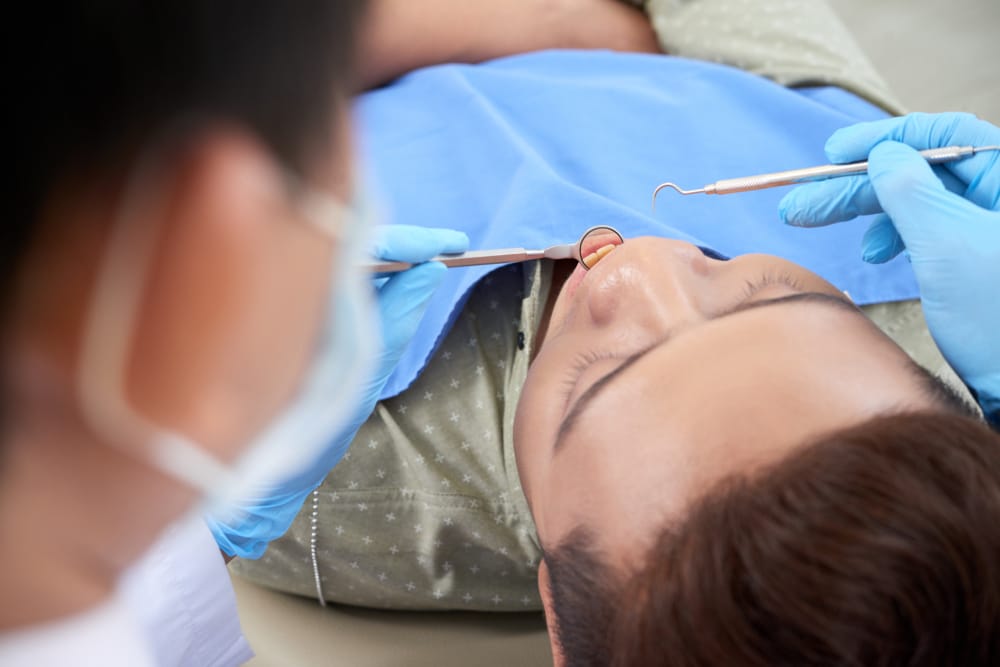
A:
x: 285, y: 630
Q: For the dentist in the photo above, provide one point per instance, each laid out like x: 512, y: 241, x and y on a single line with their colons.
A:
x: 945, y: 217
x: 182, y: 325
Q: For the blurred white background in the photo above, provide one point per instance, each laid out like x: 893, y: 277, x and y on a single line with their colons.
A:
x: 937, y: 55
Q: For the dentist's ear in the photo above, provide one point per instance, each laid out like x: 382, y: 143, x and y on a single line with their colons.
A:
x: 218, y: 343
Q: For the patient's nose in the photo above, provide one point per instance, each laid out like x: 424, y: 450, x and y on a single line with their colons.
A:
x: 655, y: 283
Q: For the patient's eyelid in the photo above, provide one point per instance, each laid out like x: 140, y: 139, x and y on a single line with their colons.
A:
x: 572, y: 411
x: 768, y: 279
x: 578, y: 367
x: 751, y: 287
x: 587, y: 359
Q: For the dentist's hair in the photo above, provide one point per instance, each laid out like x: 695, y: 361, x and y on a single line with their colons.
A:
x: 90, y: 81
x: 876, y: 545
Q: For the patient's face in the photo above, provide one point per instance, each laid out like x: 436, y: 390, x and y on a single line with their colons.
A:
x: 663, y: 371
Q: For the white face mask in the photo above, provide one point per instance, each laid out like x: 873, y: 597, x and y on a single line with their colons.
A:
x: 325, y: 401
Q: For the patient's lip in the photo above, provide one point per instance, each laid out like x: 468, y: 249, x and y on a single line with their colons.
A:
x: 580, y: 273
x: 575, y: 278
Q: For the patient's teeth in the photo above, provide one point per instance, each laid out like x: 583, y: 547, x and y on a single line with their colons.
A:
x: 593, y: 258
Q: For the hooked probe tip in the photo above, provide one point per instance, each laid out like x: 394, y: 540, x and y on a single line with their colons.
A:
x: 675, y: 187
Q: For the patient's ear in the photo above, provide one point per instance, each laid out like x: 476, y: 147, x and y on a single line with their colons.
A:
x: 545, y: 592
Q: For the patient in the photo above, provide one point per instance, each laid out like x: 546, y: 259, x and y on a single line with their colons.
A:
x: 667, y: 392
x: 742, y: 451
x: 657, y: 377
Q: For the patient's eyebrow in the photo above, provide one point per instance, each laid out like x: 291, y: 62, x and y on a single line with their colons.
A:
x: 595, y: 389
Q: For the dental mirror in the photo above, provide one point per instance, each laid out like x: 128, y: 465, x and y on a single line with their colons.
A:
x: 594, y: 245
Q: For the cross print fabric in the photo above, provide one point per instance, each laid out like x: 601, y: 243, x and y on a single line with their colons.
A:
x: 426, y: 510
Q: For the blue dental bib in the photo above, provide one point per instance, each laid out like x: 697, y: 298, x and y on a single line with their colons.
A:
x: 532, y: 150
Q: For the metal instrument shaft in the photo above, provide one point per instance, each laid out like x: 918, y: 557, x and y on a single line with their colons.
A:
x: 471, y: 258
x: 794, y: 176
x: 590, y: 241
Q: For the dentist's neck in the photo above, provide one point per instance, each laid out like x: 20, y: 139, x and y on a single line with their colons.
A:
x: 74, y: 512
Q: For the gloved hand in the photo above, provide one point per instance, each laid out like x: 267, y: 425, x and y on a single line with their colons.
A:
x: 947, y: 218
x: 247, y: 529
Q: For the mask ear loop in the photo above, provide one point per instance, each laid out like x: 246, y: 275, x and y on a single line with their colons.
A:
x: 108, y: 335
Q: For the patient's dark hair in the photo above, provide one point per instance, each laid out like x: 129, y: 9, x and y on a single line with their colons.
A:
x: 875, y: 545
x: 89, y: 81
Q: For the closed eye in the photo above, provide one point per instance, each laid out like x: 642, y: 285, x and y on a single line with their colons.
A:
x: 576, y: 368
x: 768, y: 279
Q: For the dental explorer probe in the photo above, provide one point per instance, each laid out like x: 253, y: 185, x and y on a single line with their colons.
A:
x: 793, y: 176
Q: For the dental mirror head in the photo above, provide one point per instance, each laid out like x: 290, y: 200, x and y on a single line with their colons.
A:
x: 595, y: 244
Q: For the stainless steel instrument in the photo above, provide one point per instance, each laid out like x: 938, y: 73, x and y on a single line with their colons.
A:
x: 793, y: 176
x: 590, y: 242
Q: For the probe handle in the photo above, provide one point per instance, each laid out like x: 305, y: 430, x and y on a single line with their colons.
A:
x: 793, y: 176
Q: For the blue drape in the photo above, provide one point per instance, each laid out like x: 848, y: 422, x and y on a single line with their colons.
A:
x: 531, y: 150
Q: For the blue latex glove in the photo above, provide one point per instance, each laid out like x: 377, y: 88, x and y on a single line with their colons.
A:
x: 402, y: 298
x: 946, y: 217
